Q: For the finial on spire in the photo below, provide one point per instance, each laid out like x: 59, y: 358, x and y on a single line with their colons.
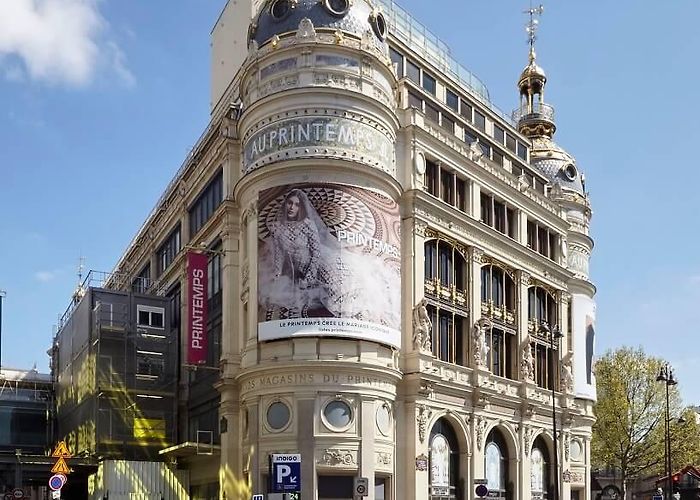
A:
x: 531, y: 27
x: 79, y: 292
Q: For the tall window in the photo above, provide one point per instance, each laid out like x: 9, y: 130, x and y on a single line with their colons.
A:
x: 206, y: 203
x: 444, y: 478
x: 496, y: 465
x: 497, y: 288
x: 542, y: 308
x: 445, y: 265
x: 498, y: 215
x: 500, y: 356
x: 444, y: 183
x: 168, y: 250
x: 449, y: 335
x: 542, y: 240
x: 397, y: 59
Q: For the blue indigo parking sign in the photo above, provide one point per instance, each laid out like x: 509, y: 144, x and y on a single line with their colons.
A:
x: 285, y: 472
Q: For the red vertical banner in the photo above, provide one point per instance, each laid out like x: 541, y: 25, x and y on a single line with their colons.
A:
x: 197, y: 308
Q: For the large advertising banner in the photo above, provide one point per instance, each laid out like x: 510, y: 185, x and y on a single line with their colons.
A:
x: 329, y: 263
x: 197, y: 308
x: 584, y: 311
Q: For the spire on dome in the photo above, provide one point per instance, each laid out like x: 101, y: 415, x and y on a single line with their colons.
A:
x: 534, y: 117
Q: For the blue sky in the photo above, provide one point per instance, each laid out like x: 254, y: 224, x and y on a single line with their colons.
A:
x: 101, y: 101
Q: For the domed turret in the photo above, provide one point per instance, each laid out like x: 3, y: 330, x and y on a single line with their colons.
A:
x: 350, y: 17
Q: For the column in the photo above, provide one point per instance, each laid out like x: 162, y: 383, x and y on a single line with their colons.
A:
x: 367, y: 449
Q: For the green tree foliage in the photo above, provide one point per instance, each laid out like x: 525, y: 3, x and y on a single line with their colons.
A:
x: 629, y: 432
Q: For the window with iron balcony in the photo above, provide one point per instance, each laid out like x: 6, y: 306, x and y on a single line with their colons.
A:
x: 498, y: 303
x: 446, y: 288
x: 542, y: 320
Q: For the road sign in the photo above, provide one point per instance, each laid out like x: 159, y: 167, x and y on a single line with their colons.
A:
x: 8, y: 496
x: 17, y: 493
x: 481, y: 490
x: 361, y: 486
x: 57, y: 481
x: 61, y: 450
x: 56, y: 495
x: 657, y: 497
x: 258, y: 497
x: 285, y: 470
x: 481, y: 481
x: 60, y: 467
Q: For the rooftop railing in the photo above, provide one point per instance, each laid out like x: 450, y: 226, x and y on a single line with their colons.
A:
x: 419, y: 38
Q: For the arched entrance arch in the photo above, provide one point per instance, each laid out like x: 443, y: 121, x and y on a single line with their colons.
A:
x: 445, y: 482
x: 497, y: 458
x: 540, y: 470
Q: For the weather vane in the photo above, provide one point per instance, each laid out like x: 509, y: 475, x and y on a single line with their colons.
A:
x: 533, y: 23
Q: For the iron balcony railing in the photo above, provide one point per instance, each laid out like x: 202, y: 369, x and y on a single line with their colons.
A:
x: 539, y: 111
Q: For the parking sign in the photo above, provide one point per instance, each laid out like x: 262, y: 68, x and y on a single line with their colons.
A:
x: 285, y: 472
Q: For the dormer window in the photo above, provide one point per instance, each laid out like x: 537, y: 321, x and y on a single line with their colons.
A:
x: 280, y: 9
x: 570, y: 171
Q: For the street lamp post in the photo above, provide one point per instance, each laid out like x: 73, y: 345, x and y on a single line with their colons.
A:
x: 554, y: 336
x: 666, y: 376
x: 2, y: 296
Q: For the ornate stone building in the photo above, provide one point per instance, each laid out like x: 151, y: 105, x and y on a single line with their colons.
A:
x: 391, y: 263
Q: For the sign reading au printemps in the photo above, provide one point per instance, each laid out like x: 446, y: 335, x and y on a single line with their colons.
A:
x: 311, y: 133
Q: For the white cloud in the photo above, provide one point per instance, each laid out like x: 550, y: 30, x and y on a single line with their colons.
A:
x: 46, y: 276
x: 58, y: 41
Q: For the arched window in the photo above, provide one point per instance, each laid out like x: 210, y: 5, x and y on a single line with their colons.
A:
x: 539, y: 470
x: 497, y: 288
x: 444, y: 463
x: 496, y: 466
x: 542, y: 306
x: 445, y: 265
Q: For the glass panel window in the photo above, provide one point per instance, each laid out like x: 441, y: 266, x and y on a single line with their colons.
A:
x: 415, y: 101
x: 429, y: 83
x: 522, y: 151
x: 497, y: 158
x: 498, y: 134
x: 469, y: 136
x: 432, y: 113
x: 168, y: 250
x: 485, y: 148
x: 465, y: 110
x: 151, y: 317
x: 207, y: 202
x: 447, y: 187
x: 448, y: 123
x: 510, y: 142
x: 452, y: 100
x: 461, y: 194
x: 479, y: 121
x: 412, y: 71
x: 431, y: 177
x: 397, y: 59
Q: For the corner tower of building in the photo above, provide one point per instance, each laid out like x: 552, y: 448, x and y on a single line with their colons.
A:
x: 322, y: 303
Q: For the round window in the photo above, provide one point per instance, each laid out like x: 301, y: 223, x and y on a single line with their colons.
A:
x: 378, y: 24
x: 576, y: 450
x: 570, y: 172
x: 280, y: 9
x: 337, y: 7
x: 338, y: 414
x: 384, y: 419
x: 278, y: 415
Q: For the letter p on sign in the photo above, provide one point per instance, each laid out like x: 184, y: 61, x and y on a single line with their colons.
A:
x: 282, y: 472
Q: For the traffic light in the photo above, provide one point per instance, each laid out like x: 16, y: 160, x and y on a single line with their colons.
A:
x: 676, y: 483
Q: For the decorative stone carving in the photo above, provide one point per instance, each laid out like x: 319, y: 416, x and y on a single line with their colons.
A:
x: 567, y: 446
x: 527, y: 363
x: 527, y: 439
x: 419, y: 228
x: 479, y: 345
x: 424, y: 414
x: 475, y: 152
x: 306, y: 31
x: 525, y: 278
x: 383, y: 459
x: 422, y: 327
x: 477, y: 255
x: 481, y: 425
x: 567, y: 377
x: 338, y: 457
